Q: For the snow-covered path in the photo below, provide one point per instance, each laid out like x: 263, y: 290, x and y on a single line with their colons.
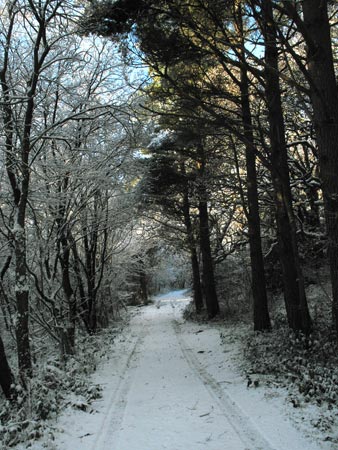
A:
x: 163, y: 402
x: 168, y: 386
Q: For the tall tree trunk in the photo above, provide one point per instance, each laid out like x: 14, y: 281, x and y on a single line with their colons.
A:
x: 324, y: 97
x: 68, y: 334
x: 294, y: 291
x: 258, y: 282
x: 22, y: 297
x: 20, y: 198
x: 143, y: 285
x: 196, y: 280
x: 6, y: 375
x: 82, y: 304
x: 196, y: 277
x: 211, y: 299
x: 67, y: 330
x: 90, y: 255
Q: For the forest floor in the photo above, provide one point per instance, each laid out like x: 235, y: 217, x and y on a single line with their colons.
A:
x: 173, y: 384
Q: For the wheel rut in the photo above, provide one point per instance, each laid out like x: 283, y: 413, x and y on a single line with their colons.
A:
x: 114, y: 414
x: 240, y: 422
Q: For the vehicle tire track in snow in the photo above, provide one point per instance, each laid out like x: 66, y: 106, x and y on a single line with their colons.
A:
x: 240, y: 422
x: 117, y: 402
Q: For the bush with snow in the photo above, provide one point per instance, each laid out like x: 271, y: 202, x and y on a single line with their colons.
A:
x: 56, y: 385
x: 306, y: 365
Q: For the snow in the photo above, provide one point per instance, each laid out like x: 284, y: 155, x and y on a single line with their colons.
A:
x: 171, y: 384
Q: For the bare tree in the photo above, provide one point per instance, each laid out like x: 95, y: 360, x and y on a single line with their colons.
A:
x: 60, y: 97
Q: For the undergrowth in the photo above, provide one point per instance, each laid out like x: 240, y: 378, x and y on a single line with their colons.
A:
x: 306, y: 366
x: 57, y: 384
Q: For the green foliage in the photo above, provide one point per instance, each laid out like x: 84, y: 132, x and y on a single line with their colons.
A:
x: 107, y: 17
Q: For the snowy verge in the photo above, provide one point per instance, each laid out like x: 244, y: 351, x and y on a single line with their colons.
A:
x: 58, y: 387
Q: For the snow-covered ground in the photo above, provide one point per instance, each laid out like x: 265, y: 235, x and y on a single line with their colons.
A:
x: 170, y: 384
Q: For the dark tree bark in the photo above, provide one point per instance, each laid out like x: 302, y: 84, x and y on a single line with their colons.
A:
x: 324, y: 97
x: 144, y: 287
x: 258, y: 282
x: 67, y: 331
x: 294, y: 291
x: 208, y: 277
x: 95, y: 249
x: 6, y: 375
x: 82, y: 303
x: 90, y: 245
x: 22, y: 302
x: 20, y: 197
x: 196, y: 280
x: 196, y: 277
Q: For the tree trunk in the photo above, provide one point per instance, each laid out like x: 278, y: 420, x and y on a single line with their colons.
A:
x: 313, y: 216
x: 82, y: 303
x: 90, y: 274
x: 196, y: 277
x: 69, y: 335
x: 20, y: 198
x: 294, y: 291
x: 258, y: 282
x: 67, y: 329
x: 22, y: 302
x: 143, y: 286
x: 196, y: 280
x: 324, y: 97
x: 211, y: 299
x: 6, y: 375
x: 90, y: 247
